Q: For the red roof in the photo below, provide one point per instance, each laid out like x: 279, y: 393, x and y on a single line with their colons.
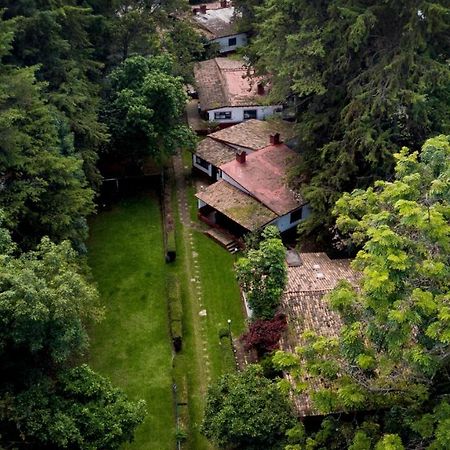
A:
x: 264, y: 176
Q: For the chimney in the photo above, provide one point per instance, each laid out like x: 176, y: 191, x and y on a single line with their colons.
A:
x: 223, y: 3
x: 241, y: 157
x: 203, y: 9
x: 195, y: 11
x: 260, y: 89
x: 275, y: 139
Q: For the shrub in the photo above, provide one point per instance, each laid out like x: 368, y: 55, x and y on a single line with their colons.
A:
x: 263, y: 336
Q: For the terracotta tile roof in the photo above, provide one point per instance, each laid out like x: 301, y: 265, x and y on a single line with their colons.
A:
x: 306, y: 309
x: 263, y: 175
x: 223, y: 82
x: 215, y: 152
x: 217, y: 22
x: 254, y: 134
x: 235, y: 204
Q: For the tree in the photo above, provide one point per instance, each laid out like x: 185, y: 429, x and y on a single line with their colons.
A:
x: 145, y: 107
x: 43, y: 188
x: 55, y: 39
x: 392, y: 354
x: 45, y: 301
x: 246, y: 411
x: 262, y: 274
x: 79, y: 410
x: 366, y: 78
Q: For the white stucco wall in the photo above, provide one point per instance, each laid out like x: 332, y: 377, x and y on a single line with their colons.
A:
x: 234, y: 183
x: 237, y: 113
x: 241, y: 41
x: 208, y: 170
x: 283, y: 223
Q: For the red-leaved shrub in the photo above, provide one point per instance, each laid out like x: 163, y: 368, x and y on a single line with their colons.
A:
x: 263, y: 336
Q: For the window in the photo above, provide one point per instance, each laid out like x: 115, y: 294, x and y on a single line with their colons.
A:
x: 222, y: 115
x: 249, y: 114
x: 201, y: 162
x: 231, y: 42
x: 296, y: 215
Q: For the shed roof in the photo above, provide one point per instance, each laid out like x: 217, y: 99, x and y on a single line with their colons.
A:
x: 225, y: 82
x: 264, y: 175
x: 215, y: 152
x: 217, y: 22
x: 236, y: 205
x: 306, y: 309
x: 254, y: 134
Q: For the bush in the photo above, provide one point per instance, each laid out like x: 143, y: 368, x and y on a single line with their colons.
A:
x: 263, y: 336
x: 175, y: 311
x: 223, y: 332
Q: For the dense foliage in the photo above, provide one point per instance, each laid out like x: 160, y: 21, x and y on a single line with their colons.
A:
x: 262, y: 274
x: 247, y: 411
x: 42, y: 184
x: 365, y: 78
x: 145, y: 108
x: 391, y: 356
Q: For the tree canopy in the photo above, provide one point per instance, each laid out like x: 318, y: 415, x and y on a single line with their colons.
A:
x: 246, y: 411
x: 262, y: 274
x: 365, y: 78
x: 145, y: 107
x: 391, y: 356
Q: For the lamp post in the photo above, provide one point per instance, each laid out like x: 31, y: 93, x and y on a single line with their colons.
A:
x: 229, y: 331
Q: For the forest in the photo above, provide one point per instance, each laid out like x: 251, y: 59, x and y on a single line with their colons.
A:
x: 89, y: 86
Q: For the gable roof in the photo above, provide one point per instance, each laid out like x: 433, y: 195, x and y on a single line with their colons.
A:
x: 254, y: 134
x: 224, y: 82
x: 215, y: 152
x: 217, y: 22
x: 237, y: 205
x: 263, y: 175
x: 306, y: 309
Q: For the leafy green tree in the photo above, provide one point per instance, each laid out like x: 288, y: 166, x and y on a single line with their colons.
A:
x: 392, y: 352
x: 45, y: 301
x: 365, y: 78
x: 42, y: 184
x: 262, y: 274
x: 145, y: 107
x: 79, y: 410
x: 246, y: 411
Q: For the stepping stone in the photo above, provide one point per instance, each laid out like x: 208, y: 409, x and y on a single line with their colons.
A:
x: 202, y: 313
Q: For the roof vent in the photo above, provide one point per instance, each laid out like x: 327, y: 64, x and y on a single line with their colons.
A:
x: 320, y: 275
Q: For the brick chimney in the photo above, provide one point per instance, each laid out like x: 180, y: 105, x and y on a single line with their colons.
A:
x: 275, y: 139
x: 223, y: 3
x: 260, y: 89
x: 241, y: 157
x: 203, y: 9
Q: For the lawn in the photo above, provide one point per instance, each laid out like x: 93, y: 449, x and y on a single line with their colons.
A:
x: 131, y: 345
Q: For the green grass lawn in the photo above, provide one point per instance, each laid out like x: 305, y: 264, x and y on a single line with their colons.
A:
x: 131, y: 345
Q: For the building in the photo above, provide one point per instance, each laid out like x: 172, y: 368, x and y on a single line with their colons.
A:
x: 252, y: 192
x: 227, y: 95
x: 310, y: 277
x: 220, y: 147
x: 217, y: 23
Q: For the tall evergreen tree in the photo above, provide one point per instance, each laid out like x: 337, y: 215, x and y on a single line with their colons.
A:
x: 367, y: 77
x: 43, y: 189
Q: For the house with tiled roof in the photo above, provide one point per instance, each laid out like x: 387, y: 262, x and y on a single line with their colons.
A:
x: 253, y: 192
x: 227, y: 94
x: 310, y: 277
x: 220, y: 147
x: 217, y: 22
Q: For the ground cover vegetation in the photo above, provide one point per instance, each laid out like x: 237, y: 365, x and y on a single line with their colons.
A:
x: 365, y: 79
x: 55, y: 61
